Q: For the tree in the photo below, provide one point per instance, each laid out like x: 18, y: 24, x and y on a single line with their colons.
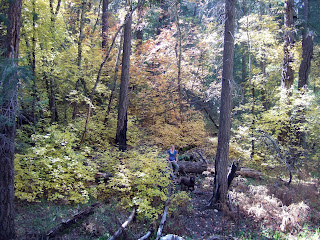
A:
x: 121, y: 137
x: 179, y: 59
x: 8, y: 110
x: 105, y: 13
x: 221, y: 161
x: 50, y: 80
x: 307, y: 48
x: 287, y: 68
x: 81, y: 80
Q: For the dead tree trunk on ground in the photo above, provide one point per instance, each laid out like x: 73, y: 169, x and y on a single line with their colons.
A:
x: 164, y: 215
x: 68, y: 223
x: 124, y: 225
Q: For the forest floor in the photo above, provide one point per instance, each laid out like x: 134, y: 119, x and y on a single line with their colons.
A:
x: 261, y: 211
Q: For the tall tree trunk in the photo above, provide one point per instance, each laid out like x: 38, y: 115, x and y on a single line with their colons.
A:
x: 287, y: 68
x: 8, y: 109
x: 79, y: 62
x: 307, y: 48
x: 252, y: 86
x: 163, y: 16
x: 33, y: 62
x: 51, y: 81
x: 243, y: 77
x: 121, y: 137
x: 127, y: 19
x: 221, y: 161
x: 264, y: 98
x: 115, y: 78
x: 105, y: 6
x: 139, y: 33
x: 179, y: 59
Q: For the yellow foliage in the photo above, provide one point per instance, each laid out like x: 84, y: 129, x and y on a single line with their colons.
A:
x: 187, y: 133
x: 140, y: 179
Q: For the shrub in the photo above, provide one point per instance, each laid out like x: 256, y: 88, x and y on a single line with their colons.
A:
x: 140, y: 180
x: 53, y: 170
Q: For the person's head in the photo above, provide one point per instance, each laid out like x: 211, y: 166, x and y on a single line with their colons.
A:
x: 172, y: 147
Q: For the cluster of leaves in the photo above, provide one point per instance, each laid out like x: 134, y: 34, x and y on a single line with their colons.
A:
x: 287, y: 133
x: 191, y: 133
x: 53, y: 170
x: 140, y: 179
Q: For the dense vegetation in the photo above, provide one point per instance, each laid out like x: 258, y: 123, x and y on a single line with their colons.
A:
x: 70, y: 70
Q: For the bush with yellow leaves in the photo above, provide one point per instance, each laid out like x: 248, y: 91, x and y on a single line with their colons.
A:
x: 52, y: 170
x: 140, y: 179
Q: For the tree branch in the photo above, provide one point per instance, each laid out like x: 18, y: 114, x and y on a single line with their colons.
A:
x: 124, y: 225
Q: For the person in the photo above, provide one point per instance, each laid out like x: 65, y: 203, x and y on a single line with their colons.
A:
x: 173, y: 161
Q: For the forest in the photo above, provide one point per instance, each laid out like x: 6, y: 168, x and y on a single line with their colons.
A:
x: 93, y: 94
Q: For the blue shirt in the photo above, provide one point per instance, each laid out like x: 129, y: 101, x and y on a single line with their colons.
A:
x: 172, y: 156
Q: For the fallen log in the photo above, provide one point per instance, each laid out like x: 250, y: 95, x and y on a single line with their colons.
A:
x: 164, y: 216
x: 147, y: 235
x: 68, y: 223
x: 171, y: 237
x: 204, y: 168
x: 248, y: 172
x: 192, y: 167
x: 124, y: 225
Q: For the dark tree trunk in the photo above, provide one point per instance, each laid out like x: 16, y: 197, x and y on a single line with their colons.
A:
x: 81, y: 20
x: 287, y: 68
x: 221, y: 161
x: 121, y: 137
x: 307, y: 48
x: 179, y: 59
x: 163, y: 16
x: 128, y: 19
x: 32, y: 60
x: 51, y: 81
x: 264, y: 98
x: 105, y: 6
x: 35, y: 97
x: 243, y: 77
x: 8, y: 127
x: 115, y: 78
x: 139, y: 32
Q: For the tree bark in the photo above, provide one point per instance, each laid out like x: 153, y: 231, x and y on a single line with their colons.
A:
x: 287, y: 68
x: 83, y: 9
x: 8, y: 110
x: 115, y: 78
x: 307, y: 52
x: 105, y: 6
x: 50, y: 80
x: 221, y: 161
x: 179, y: 59
x: 307, y: 49
x: 139, y: 33
x: 121, y: 137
